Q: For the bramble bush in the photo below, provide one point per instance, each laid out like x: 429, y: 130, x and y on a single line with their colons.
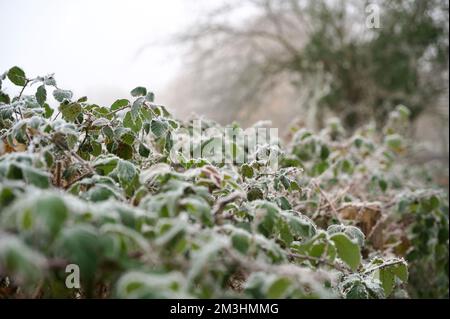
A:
x: 106, y: 189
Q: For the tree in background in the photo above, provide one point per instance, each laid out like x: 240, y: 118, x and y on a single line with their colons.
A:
x: 327, y: 55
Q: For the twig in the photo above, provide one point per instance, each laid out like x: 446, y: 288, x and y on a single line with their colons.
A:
x: 333, y: 208
x: 58, y: 173
x: 79, y: 178
x: 23, y: 88
x: 57, y: 114
x: 38, y: 289
x: 378, y: 224
x: 339, y: 196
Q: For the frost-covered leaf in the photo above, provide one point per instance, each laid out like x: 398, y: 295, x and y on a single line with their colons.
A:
x: 62, y: 95
x: 139, y: 91
x: 347, y: 250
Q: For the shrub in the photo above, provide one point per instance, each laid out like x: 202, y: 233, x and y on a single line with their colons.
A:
x: 106, y: 189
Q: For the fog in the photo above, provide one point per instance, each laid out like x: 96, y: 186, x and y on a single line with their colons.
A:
x: 101, y: 48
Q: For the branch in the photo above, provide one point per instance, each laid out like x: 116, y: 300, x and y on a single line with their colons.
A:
x: 333, y: 208
x: 79, y: 178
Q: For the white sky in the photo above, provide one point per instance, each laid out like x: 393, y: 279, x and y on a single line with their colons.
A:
x: 91, y: 45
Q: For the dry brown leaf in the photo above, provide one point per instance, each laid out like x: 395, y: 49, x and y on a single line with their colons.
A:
x: 368, y: 218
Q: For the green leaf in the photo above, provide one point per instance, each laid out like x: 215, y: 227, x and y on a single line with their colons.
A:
x: 49, y: 158
x: 383, y: 185
x: 127, y: 120
x: 346, y: 166
x: 105, y: 165
x: 134, y: 125
x: 387, y: 281
x: 144, y: 151
x: 126, y: 172
x: 324, y: 152
x: 150, y: 97
x: 158, y: 127
x: 6, y: 196
x: 403, y: 111
x: 283, y: 203
x: 247, y: 171
x: 36, y: 177
x: 354, y: 233
x: 279, y: 287
x: 348, y: 251
x: 139, y: 285
x: 108, y: 132
x: 268, y: 217
x: 135, y: 108
x: 240, y: 240
x: 80, y: 245
x: 401, y: 271
x: 4, y: 98
x: 61, y: 95
x: 127, y: 137
x: 41, y: 95
x: 96, y: 148
x: 49, y: 80
x: 139, y: 91
x: 300, y: 226
x: 356, y: 290
x: 19, y: 261
x: 434, y: 202
x: 48, y: 111
x: 285, y: 181
x: 119, y: 104
x: 320, y: 167
x: 394, y: 142
x: 254, y: 194
x: 52, y: 209
x: 17, y: 76
x: 101, y: 192
x: 70, y: 111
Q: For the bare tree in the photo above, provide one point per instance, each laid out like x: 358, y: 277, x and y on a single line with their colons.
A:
x: 244, y: 52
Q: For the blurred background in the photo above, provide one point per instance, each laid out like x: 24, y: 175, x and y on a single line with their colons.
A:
x: 294, y: 62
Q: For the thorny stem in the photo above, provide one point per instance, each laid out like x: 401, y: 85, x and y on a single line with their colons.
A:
x: 333, y: 208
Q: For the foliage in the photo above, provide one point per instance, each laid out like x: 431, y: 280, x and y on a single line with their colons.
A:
x: 99, y: 187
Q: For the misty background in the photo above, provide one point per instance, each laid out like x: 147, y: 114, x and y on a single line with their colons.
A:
x: 100, y: 48
x: 294, y: 62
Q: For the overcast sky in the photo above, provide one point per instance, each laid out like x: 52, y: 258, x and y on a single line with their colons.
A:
x: 92, y: 45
